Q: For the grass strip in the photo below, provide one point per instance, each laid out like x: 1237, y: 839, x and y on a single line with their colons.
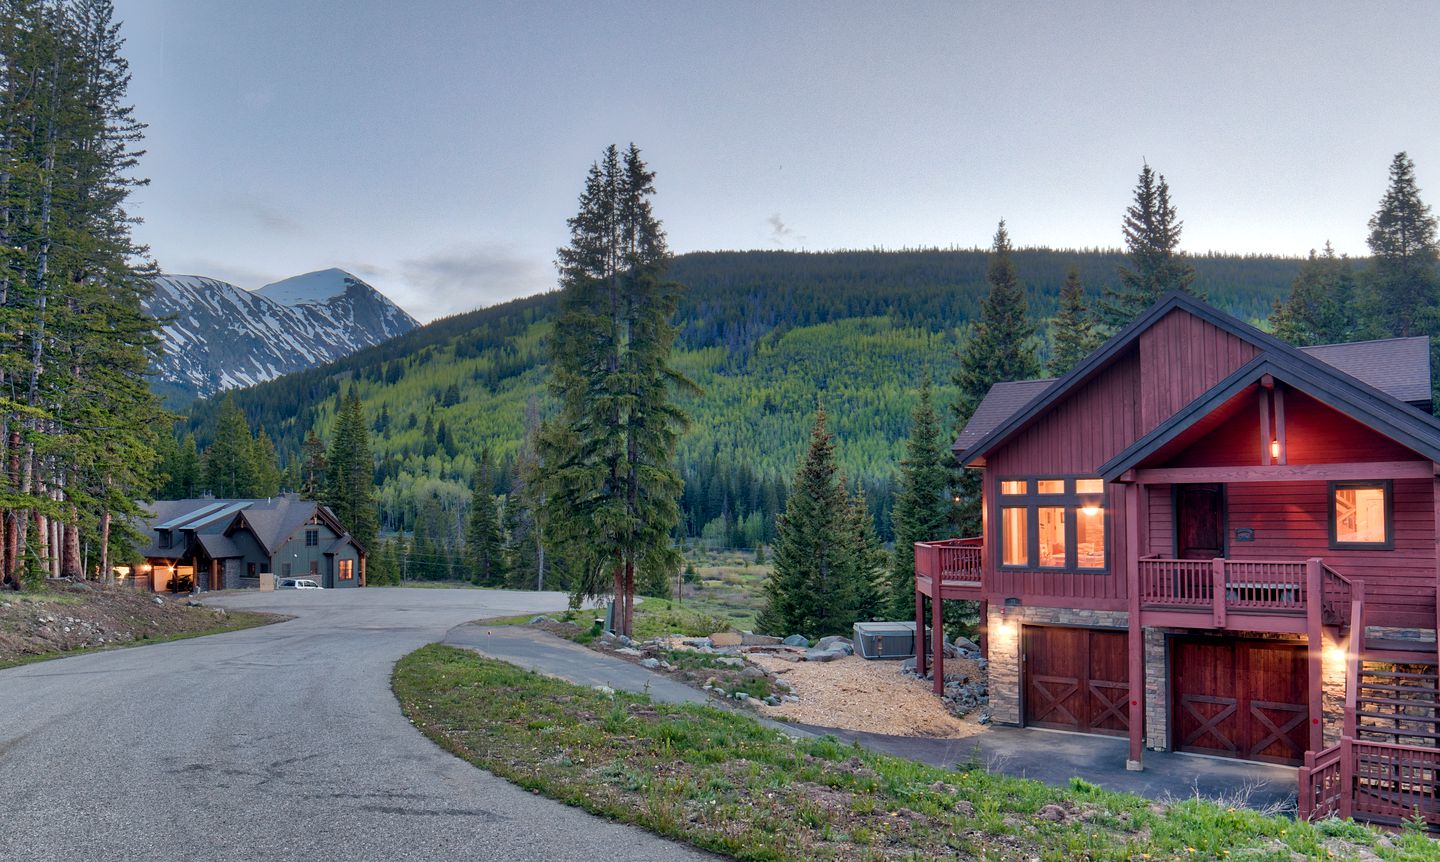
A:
x: 726, y: 783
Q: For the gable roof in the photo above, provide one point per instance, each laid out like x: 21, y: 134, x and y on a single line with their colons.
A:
x: 1399, y: 367
x: 272, y: 521
x: 1379, y: 361
x: 1387, y: 415
x: 1000, y: 403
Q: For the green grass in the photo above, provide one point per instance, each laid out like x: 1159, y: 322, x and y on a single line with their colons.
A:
x: 725, y: 783
x: 233, y: 621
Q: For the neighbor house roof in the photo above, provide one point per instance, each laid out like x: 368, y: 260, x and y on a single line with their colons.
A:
x: 1397, y: 369
x: 271, y: 520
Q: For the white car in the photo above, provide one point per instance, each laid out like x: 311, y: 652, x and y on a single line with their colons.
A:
x: 297, y: 584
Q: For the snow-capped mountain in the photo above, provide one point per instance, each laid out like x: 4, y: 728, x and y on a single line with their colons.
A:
x: 218, y: 336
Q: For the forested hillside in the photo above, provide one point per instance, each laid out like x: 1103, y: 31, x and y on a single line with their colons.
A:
x: 763, y: 333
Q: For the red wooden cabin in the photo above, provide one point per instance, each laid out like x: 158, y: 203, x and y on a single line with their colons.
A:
x: 1207, y: 540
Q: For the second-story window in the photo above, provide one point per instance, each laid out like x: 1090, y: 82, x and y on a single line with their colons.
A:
x: 312, y: 538
x: 1053, y: 523
x: 165, y: 539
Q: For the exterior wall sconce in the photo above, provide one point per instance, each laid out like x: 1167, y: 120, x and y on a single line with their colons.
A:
x: 1275, y: 449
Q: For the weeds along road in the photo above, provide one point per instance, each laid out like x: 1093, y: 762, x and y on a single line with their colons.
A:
x: 273, y: 743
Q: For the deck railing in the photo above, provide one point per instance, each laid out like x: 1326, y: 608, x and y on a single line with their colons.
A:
x: 1377, y: 782
x: 1246, y: 586
x: 1320, y: 784
x: 951, y: 560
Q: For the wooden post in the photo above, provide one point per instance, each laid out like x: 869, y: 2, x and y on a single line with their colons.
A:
x: 1264, y: 427
x: 937, y: 637
x: 1347, y: 778
x: 1217, y: 574
x: 919, y: 631
x: 984, y: 629
x: 1314, y: 638
x: 1135, y: 640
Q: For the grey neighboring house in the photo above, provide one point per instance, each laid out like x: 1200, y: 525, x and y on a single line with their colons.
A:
x: 211, y: 544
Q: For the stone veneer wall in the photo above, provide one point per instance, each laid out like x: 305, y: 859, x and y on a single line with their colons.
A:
x: 1004, y: 635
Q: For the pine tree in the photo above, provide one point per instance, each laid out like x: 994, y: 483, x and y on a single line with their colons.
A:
x: 313, y: 476
x: 811, y: 586
x: 868, y: 600
x: 922, y: 505
x: 1152, y: 240
x: 1000, y: 347
x: 1403, y: 242
x: 1072, y: 334
x: 1322, y: 307
x: 611, y: 484
x: 484, y: 544
x: 230, y: 460
x: 266, y: 467
x: 350, y: 491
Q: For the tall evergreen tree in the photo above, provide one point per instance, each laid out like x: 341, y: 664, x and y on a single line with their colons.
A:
x: 1152, y: 239
x: 1403, y: 242
x: 922, y: 506
x: 350, y: 492
x: 313, y: 476
x: 1323, y: 305
x: 614, y: 486
x: 1072, y: 334
x: 868, y: 599
x: 811, y: 589
x: 484, y: 544
x: 230, y: 460
x: 266, y: 466
x: 1001, y: 346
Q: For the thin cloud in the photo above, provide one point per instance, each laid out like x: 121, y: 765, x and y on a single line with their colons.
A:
x: 465, y: 277
x: 783, y: 234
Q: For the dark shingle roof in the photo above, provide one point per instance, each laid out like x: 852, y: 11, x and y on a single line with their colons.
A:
x: 1000, y: 403
x: 1399, y: 367
x: 271, y: 520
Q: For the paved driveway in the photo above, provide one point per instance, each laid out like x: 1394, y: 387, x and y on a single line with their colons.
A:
x: 281, y: 742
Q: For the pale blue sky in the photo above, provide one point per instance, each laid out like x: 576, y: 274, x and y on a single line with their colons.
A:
x: 436, y: 148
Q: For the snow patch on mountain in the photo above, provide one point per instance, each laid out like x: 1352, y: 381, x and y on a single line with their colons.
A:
x: 218, y: 336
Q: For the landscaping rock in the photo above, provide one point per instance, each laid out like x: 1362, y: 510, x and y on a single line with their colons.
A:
x: 752, y: 672
x: 192, y: 603
x: 651, y: 663
x: 824, y: 654
x: 605, y: 690
x: 730, y: 661
x: 796, y: 640
x: 964, y: 808
x: 966, y: 645
x: 541, y: 619
x: 1052, y: 813
x: 830, y: 641
x: 698, y: 643
x: 749, y: 639
x: 630, y: 651
x: 725, y: 639
x: 907, y: 666
x: 157, y: 600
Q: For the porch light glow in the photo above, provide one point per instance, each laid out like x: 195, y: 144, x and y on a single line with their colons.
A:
x: 1274, y: 448
x: 1090, y: 510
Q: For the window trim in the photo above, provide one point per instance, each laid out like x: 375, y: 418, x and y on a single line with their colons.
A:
x: 312, y: 534
x: 1032, y: 501
x: 345, y: 570
x: 1388, y: 488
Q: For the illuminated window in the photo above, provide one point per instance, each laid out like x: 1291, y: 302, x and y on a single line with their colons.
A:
x: 1090, y: 536
x: 347, y: 570
x: 1053, y: 524
x: 1052, y: 536
x: 1360, y: 514
x: 1014, y: 540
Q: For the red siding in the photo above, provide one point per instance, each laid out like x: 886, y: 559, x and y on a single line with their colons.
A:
x: 1181, y: 357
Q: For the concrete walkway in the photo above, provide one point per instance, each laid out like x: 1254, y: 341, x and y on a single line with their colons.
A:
x: 1047, y: 756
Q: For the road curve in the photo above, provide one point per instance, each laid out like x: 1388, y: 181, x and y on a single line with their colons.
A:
x: 276, y: 743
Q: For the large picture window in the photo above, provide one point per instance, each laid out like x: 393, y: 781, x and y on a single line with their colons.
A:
x: 347, y: 570
x: 1054, y: 523
x: 1360, y: 515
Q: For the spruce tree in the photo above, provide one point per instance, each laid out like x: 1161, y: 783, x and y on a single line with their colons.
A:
x: 266, y: 467
x: 1072, y: 333
x: 484, y: 544
x: 1000, y: 347
x: 810, y: 590
x: 230, y: 460
x: 313, y: 477
x: 350, y: 491
x: 1403, y: 242
x: 868, y: 599
x: 922, y: 505
x: 611, y: 486
x: 1152, y: 241
x: 1322, y: 307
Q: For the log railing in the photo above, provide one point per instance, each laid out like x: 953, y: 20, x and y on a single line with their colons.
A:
x: 950, y: 560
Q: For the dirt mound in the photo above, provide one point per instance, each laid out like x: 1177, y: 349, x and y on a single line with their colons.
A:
x: 68, y: 616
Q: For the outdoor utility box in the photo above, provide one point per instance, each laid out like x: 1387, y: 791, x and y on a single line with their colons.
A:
x: 885, y: 640
x: 267, y: 582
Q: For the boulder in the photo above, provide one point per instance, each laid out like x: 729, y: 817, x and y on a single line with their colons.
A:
x: 730, y: 661
x: 725, y: 639
x: 698, y: 643
x: 157, y: 600
x: 750, y: 639
x: 752, y: 672
x: 966, y: 645
x: 796, y: 640
x: 651, y: 663
x: 605, y: 690
x: 836, y: 640
x: 824, y: 654
x: 630, y: 651
x: 907, y: 666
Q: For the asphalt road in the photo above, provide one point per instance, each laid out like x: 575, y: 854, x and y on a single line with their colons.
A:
x: 281, y: 742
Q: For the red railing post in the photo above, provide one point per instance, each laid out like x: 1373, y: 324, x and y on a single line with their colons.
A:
x: 1217, y: 573
x: 919, y: 630
x: 1347, y: 778
x: 1315, y: 641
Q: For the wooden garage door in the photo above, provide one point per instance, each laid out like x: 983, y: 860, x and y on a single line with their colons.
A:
x: 1239, y: 698
x: 1076, y: 679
